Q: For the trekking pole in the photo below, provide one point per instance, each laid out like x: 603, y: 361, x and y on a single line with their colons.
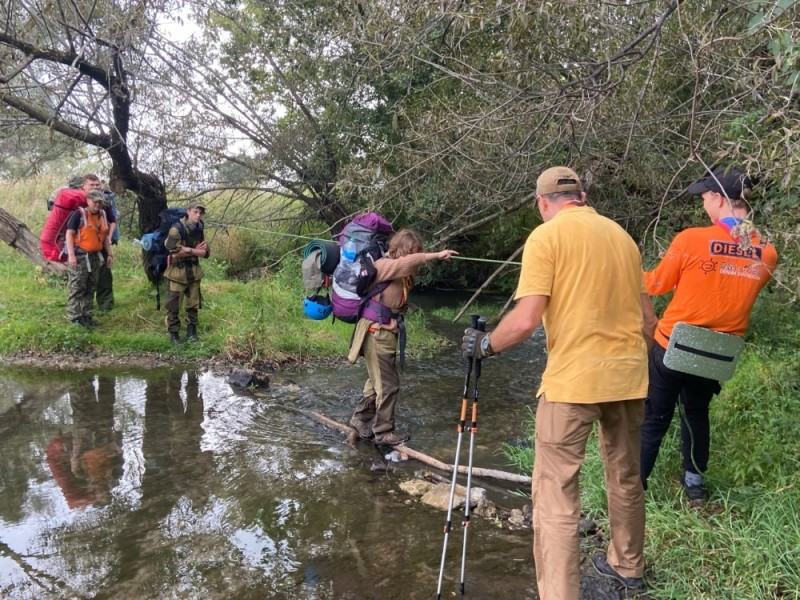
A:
x: 473, y: 430
x: 460, y: 428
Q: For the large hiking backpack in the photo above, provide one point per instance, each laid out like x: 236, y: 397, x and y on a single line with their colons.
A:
x: 54, y: 232
x: 153, y: 244
x: 362, y: 242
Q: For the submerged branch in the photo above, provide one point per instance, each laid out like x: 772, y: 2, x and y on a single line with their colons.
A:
x: 420, y: 456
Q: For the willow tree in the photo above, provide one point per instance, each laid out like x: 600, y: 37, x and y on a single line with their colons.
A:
x: 76, y: 69
x: 442, y: 114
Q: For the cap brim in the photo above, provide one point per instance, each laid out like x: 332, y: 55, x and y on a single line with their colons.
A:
x: 698, y: 187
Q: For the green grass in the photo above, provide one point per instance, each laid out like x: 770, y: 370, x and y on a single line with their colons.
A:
x: 256, y: 321
x: 253, y: 321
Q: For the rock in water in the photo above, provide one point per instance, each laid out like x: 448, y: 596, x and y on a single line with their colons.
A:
x: 244, y: 378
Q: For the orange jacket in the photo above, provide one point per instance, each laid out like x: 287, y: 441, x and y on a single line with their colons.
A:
x: 715, y: 280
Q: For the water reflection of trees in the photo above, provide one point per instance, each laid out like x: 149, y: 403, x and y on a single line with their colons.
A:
x: 274, y: 508
x: 174, y: 479
x: 66, y: 523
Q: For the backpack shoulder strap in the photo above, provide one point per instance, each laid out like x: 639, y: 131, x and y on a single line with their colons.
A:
x: 378, y: 288
x: 82, y: 223
x: 62, y: 229
x: 181, y: 230
x: 80, y: 210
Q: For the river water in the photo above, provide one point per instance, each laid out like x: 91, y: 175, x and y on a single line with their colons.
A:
x: 170, y: 483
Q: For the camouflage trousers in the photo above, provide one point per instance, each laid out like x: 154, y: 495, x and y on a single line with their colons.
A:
x: 81, y: 284
x: 177, y: 292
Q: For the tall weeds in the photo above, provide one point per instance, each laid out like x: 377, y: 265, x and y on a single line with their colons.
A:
x: 258, y: 320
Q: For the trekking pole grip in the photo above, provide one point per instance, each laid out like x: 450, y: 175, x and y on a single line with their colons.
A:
x: 473, y: 325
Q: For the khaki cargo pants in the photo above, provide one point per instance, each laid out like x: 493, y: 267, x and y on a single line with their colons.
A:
x: 383, y: 383
x: 560, y: 444
x: 177, y: 292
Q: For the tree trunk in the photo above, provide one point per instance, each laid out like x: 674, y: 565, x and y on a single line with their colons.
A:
x: 151, y: 197
x: 17, y: 235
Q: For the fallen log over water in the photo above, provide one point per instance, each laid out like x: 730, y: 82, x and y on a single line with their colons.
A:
x: 420, y: 456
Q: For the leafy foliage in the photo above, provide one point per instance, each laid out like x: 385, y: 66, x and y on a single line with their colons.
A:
x: 440, y: 115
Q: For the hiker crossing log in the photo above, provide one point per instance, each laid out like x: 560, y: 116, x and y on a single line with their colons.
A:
x: 421, y: 456
x: 17, y: 235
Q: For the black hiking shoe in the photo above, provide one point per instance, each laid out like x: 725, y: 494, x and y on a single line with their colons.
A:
x: 362, y: 428
x: 191, y: 333
x: 601, y: 565
x: 90, y: 322
x: 695, y: 493
x: 78, y: 321
x: 391, y: 438
x: 174, y: 338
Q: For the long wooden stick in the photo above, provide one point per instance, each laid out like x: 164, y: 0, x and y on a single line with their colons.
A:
x: 420, y: 456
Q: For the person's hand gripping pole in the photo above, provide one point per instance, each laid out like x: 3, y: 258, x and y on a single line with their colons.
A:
x: 462, y: 421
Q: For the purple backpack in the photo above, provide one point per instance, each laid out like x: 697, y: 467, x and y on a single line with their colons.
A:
x: 362, y: 242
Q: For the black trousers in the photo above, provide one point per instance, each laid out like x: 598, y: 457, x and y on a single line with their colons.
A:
x: 105, y: 289
x: 667, y: 389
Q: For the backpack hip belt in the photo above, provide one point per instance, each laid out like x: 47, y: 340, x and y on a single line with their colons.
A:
x: 378, y: 312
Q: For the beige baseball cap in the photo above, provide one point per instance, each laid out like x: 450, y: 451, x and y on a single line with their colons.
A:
x: 558, y: 179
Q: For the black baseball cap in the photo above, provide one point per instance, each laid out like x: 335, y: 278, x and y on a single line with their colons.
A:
x: 728, y: 181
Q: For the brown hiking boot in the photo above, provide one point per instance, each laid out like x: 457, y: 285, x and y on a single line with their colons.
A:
x: 391, y: 438
x: 601, y: 565
x: 362, y: 427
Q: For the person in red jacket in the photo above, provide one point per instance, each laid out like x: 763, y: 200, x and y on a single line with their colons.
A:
x: 716, y: 274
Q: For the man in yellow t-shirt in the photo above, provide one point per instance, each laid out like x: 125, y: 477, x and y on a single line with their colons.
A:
x: 582, y: 278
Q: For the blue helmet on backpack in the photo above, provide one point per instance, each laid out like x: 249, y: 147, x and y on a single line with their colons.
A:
x: 317, y: 307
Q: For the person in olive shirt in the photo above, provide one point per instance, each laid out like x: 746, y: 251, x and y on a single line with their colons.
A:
x: 186, y: 245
